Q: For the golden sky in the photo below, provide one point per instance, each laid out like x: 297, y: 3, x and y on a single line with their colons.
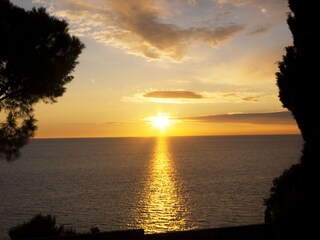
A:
x: 209, y: 65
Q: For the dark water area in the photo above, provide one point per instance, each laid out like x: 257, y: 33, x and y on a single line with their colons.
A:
x: 158, y: 184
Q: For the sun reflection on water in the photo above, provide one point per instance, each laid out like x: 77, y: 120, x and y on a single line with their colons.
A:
x: 162, y: 206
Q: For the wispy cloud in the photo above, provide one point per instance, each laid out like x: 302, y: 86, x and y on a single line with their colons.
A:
x: 39, y: 1
x: 259, y: 30
x: 263, y: 4
x: 270, y: 13
x: 137, y: 26
x: 243, y: 96
x: 277, y: 118
x: 173, y: 94
x: 235, y: 2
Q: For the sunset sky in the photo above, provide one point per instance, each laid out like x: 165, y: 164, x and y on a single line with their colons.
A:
x: 209, y: 65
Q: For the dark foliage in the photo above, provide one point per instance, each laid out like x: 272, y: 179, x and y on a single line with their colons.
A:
x: 94, y: 230
x: 293, y: 205
x: 298, y: 77
x: 39, y: 226
x: 37, y: 55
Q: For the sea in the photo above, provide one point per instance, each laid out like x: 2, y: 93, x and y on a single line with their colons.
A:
x: 157, y: 184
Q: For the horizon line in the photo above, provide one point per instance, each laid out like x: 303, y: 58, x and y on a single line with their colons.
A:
x: 171, y: 136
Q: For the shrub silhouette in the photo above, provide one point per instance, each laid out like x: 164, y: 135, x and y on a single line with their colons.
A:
x: 39, y: 226
x: 293, y: 205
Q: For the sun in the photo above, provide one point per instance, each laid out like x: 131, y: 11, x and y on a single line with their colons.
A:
x: 160, y: 121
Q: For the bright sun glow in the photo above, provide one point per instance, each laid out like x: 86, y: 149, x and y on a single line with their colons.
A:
x: 160, y: 121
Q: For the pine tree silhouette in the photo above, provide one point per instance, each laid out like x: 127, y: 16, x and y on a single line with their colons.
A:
x: 293, y: 205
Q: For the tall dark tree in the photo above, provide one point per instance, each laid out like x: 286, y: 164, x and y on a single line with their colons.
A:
x: 37, y: 56
x: 293, y: 205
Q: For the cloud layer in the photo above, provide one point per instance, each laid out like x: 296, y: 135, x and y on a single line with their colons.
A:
x: 253, y: 118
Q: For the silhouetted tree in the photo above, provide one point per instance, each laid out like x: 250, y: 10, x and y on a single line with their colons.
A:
x: 293, y: 205
x: 298, y: 71
x: 37, y: 55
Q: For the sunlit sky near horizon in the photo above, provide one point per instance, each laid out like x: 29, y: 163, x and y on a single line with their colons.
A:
x: 208, y: 65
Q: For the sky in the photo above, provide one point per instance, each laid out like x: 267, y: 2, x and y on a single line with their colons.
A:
x: 207, y: 65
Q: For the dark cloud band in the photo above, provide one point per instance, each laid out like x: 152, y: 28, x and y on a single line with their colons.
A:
x: 253, y: 118
x: 173, y: 94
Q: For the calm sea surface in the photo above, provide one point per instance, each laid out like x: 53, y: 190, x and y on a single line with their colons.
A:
x: 158, y: 184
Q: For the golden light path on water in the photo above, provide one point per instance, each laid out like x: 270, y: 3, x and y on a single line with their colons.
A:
x: 163, y: 206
